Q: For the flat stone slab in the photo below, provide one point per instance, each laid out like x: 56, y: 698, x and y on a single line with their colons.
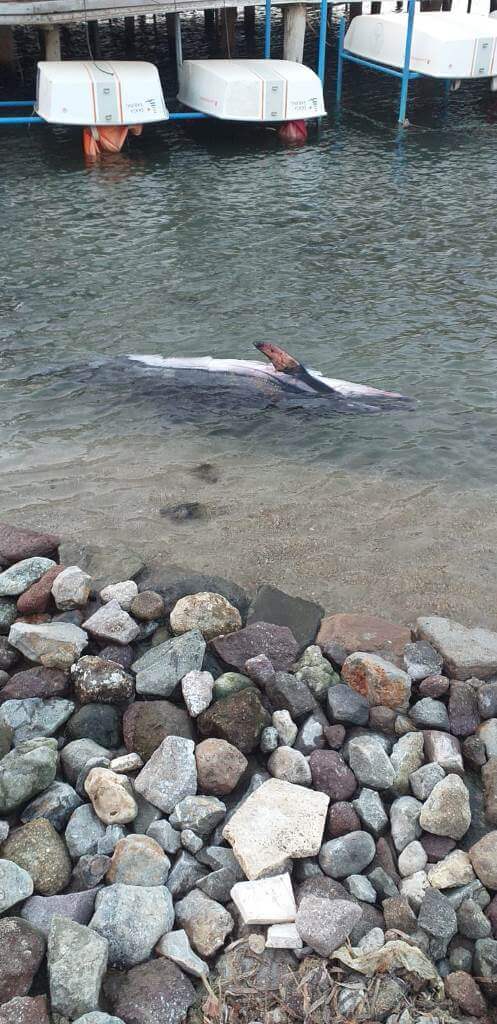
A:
x: 466, y: 652
x: 265, y: 901
x: 277, y: 821
x: 365, y: 633
x: 301, y: 616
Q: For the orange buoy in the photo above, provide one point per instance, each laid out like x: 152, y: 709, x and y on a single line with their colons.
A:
x: 108, y: 138
x: 293, y: 131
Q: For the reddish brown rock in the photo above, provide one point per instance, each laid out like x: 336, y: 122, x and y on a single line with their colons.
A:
x: 331, y: 775
x: 35, y: 682
x: 379, y: 681
x: 385, y: 858
x: 437, y: 847
x: 25, y: 1010
x: 220, y: 766
x: 37, y: 598
x: 464, y: 716
x: 489, y: 779
x: 335, y: 736
x: 463, y: 990
x: 276, y: 642
x: 365, y: 633
x: 491, y: 912
x: 147, y: 723
x: 22, y: 948
x: 398, y: 914
x: 151, y: 993
x: 342, y: 818
x: 17, y: 543
x: 433, y: 686
x: 238, y: 719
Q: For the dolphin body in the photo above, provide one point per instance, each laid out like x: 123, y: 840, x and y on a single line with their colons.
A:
x: 284, y: 383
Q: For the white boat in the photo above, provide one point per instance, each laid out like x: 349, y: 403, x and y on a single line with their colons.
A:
x: 104, y: 92
x: 444, y: 45
x: 251, y: 90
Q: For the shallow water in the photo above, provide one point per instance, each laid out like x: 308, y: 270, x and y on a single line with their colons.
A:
x: 369, y: 254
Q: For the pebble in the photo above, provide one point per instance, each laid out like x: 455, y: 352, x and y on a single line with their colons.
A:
x: 485, y: 959
x: 238, y: 719
x: 27, y: 770
x: 483, y: 857
x: 190, y: 841
x: 347, y: 706
x: 331, y: 775
x: 437, y: 916
x: 83, y: 831
x: 398, y: 915
x: 111, y: 796
x: 161, y: 668
x: 412, y: 858
x: 430, y: 714
x: 147, y: 606
x: 454, y: 869
x: 316, y: 672
x: 199, y: 813
x: 421, y: 660
x: 379, y: 681
x: 290, y: 765
x: 197, y: 688
x: 206, y: 922
x: 447, y: 812
x: 123, y: 593
x: 210, y: 613
x: 285, y: 727
x: 98, y: 681
x: 18, y: 577
x: 474, y: 752
x: 220, y: 766
x: 335, y: 736
x: 22, y: 948
x: 74, y: 993
x: 71, y: 588
x: 53, y: 644
x: 98, y: 1017
x: 369, y: 763
x: 404, y: 821
x: 39, y: 849
x: 276, y: 642
x: 425, y: 778
x: 360, y: 887
x: 132, y: 918
x: 371, y: 811
x: 265, y: 901
x: 176, y: 947
x: 325, y: 925
x: 169, y: 775
x: 347, y: 855
x: 434, y: 686
x: 269, y: 739
x: 138, y: 860
x: 111, y: 622
x: 140, y: 995
x: 126, y: 763
x: 311, y: 733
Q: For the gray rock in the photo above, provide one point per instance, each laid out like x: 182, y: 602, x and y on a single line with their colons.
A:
x: 447, y: 812
x: 472, y: 891
x: 170, y: 775
x: 316, y: 672
x: 461, y: 955
x: 53, y: 644
x: 75, y: 756
x: 108, y: 842
x: 421, y: 660
x: 370, y: 764
x: 153, y: 993
x: 76, y: 906
x: 197, y: 689
x: 16, y: 579
x: 273, y: 605
x: 413, y: 858
x: 324, y: 925
x: 285, y: 727
x: 347, y: 855
x: 485, y: 961
x: 486, y: 698
x: 98, y: 1017
x: 56, y: 804
x: 206, y: 922
x: 269, y: 739
x: 138, y: 860
x: 98, y: 722
x: 90, y: 870
x: 371, y: 811
x: 34, y: 717
x: 74, y: 992
x: 443, y: 749
x: 132, y: 918
x: 201, y: 814
x: 465, y: 652
x: 8, y: 614
x: 437, y: 917
x: 176, y: 947
x: 361, y: 888
x: 382, y: 883
x: 190, y: 841
x: 165, y: 835
x: 472, y: 922
x: 15, y: 885
x: 184, y: 875
x: 430, y: 714
x: 286, y: 692
x: 71, y: 588
x: 372, y: 941
x: 311, y: 734
x: 404, y: 821
x: 83, y: 831
x: 290, y: 765
x: 105, y: 565
x: 112, y: 623
x: 347, y: 706
x: 406, y: 757
x: 161, y: 668
x: 488, y: 733
x: 147, y: 815
x: 424, y: 780
x: 25, y: 772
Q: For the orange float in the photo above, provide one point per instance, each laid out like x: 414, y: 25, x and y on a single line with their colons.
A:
x: 107, y: 138
x: 293, y: 131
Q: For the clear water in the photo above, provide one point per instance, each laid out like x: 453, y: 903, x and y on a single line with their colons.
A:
x: 370, y: 254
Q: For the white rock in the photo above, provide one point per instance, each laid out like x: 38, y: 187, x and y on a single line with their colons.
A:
x: 126, y: 763
x: 277, y: 821
x: 413, y: 858
x: 266, y: 901
x: 123, y: 593
x: 197, y: 690
x: 283, y: 936
x: 111, y: 797
x: 414, y: 888
x: 285, y: 727
x: 71, y: 588
x: 454, y: 869
x: 372, y: 941
x: 112, y: 623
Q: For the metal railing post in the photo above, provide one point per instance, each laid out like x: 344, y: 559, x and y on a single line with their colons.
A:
x: 323, y: 26
x: 341, y: 37
x: 411, y: 7
x: 267, y: 30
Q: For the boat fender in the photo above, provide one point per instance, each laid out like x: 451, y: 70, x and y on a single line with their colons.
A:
x: 293, y: 131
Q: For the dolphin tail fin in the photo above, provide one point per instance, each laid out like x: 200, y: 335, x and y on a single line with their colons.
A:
x: 281, y: 360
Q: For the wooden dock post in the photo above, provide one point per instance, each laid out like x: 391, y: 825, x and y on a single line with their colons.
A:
x: 294, y: 22
x: 249, y: 22
x: 229, y: 16
x: 129, y: 34
x: 94, y: 37
x: 51, y: 35
x: 8, y: 55
x: 171, y: 31
x: 354, y: 10
x: 209, y: 20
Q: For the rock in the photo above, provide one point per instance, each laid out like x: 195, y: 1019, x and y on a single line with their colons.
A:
x: 446, y: 812
x: 229, y: 683
x: 75, y: 756
x: 9, y: 657
x: 430, y: 714
x: 316, y: 672
x: 364, y: 633
x: 463, y: 990
x: 489, y: 779
x: 485, y: 960
x: 111, y: 622
x: 32, y: 718
x: 20, y: 576
x: 173, y: 582
x: 265, y: 901
x: 463, y: 709
x: 324, y: 925
x: 454, y: 869
x: 404, y: 821
x: 382, y: 883
x: 488, y: 733
x: 104, y: 565
x: 83, y: 831
x: 347, y: 855
x: 361, y: 888
x: 383, y: 719
x: 39, y: 849
x: 300, y: 616
x: 287, y: 692
x: 138, y: 860
x: 111, y: 797
x: 147, y: 606
x: 35, y: 682
x: 277, y: 821
x: 433, y: 686
x: 123, y: 593
x: 374, y: 940
x: 127, y: 763
x: 98, y: 722
x: 22, y: 948
x: 421, y: 660
x: 108, y: 842
x: 161, y: 668
x: 53, y: 644
x: 210, y: 613
x: 25, y: 1010
x: 17, y: 544
x: 97, y: 1017
x: 276, y: 642
x: 460, y: 954
x: 185, y: 875
x: 260, y: 670
x: 71, y: 588
x: 466, y: 652
x: 471, y: 921
x: 155, y: 993
x: 406, y: 759
x: 335, y: 736
x: 25, y: 772
x: 220, y: 766
x: 346, y: 705
x: 311, y: 734
x: 8, y: 613
x: 269, y: 740
x: 285, y: 727
x: 132, y: 918
x: 379, y: 681
x: 239, y: 720
x: 342, y: 818
x: 176, y: 947
x: 37, y: 598
x: 98, y: 681
x: 483, y: 857
x: 424, y: 780
x: 290, y: 765
x: 165, y: 835
x: 283, y: 936
x: 443, y: 749
x: 89, y: 872
x: 369, y: 763
x: 199, y: 813
x: 331, y: 775
x: 437, y: 916
x: 197, y: 690
x: 170, y: 774
x: 437, y: 847
x: 206, y: 922
x: 398, y: 915
x: 147, y: 723
x: 474, y: 752
x: 412, y: 859
x: 486, y: 699
x: 371, y: 811
x: 75, y: 992
x: 190, y: 841
x: 56, y: 804
x: 77, y: 906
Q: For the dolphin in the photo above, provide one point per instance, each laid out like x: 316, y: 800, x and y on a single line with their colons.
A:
x: 284, y: 383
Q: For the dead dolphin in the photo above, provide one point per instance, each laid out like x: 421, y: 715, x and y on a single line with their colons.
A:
x: 285, y: 382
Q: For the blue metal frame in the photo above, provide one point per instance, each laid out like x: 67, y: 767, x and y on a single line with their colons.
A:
x: 323, y: 26
x: 267, y: 30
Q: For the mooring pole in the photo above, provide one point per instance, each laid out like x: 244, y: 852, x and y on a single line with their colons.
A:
x: 411, y: 7
x: 267, y: 30
x: 177, y: 42
x: 323, y: 26
x: 341, y: 37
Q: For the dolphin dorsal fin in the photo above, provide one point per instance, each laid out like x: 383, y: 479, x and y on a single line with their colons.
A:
x: 281, y: 360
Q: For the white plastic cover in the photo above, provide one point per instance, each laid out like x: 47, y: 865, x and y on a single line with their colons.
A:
x: 116, y: 92
x: 251, y: 90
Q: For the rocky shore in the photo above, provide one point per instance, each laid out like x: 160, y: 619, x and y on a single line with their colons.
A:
x: 224, y: 806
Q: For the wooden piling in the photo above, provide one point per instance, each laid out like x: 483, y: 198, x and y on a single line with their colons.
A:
x: 355, y: 10
x: 249, y: 21
x: 229, y: 17
x: 94, y: 39
x: 51, y: 35
x: 209, y: 21
x: 294, y: 22
x: 8, y: 54
x: 129, y: 34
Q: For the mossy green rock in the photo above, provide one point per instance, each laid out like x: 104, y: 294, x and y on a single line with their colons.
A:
x: 229, y: 683
x: 314, y: 670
